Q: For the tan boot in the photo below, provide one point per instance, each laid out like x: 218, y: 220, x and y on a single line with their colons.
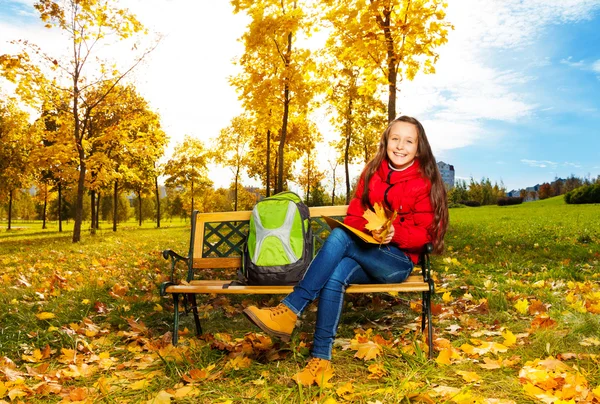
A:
x: 278, y: 321
x: 315, y: 369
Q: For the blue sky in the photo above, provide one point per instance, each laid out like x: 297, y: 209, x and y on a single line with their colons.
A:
x: 516, y: 96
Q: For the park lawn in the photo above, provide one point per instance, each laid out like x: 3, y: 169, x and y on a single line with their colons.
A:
x: 517, y: 313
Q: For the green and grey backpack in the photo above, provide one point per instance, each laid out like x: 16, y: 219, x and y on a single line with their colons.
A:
x: 279, y: 246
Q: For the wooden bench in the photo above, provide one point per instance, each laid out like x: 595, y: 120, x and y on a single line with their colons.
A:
x: 217, y: 241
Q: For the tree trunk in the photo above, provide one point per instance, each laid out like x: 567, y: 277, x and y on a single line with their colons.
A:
x: 10, y: 200
x: 392, y: 63
x: 157, y: 192
x: 286, y: 111
x: 275, y: 178
x: 192, y: 197
x: 307, y: 177
x: 333, y: 190
x: 115, y: 204
x: 93, y: 215
x: 60, y: 229
x: 79, y: 201
x: 140, y: 208
x: 235, y: 193
x: 97, y: 211
x: 347, y: 145
x: 45, y: 206
x: 81, y: 153
x: 268, y: 182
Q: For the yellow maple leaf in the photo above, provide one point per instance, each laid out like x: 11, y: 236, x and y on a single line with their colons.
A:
x: 375, y: 219
x: 491, y: 364
x: 509, y: 338
x: 186, y: 391
x: 522, y: 306
x: 379, y: 220
x: 596, y: 392
x: 367, y: 350
x: 444, y: 357
x: 469, y: 376
x: 447, y: 297
x: 347, y: 388
x: 35, y: 357
x: 161, y: 398
x: 239, y: 362
x: 323, y: 376
x: 377, y: 371
x: 139, y: 385
x: 45, y: 315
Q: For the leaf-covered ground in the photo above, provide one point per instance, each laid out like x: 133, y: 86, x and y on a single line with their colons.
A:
x: 517, y: 314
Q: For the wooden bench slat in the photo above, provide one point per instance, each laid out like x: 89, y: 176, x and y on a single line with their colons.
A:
x: 414, y: 283
x: 217, y: 262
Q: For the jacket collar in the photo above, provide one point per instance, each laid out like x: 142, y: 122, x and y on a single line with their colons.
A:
x: 393, y: 177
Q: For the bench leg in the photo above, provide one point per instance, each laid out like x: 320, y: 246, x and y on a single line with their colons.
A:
x: 175, y: 318
x: 429, y: 325
x: 423, y: 310
x: 192, y: 300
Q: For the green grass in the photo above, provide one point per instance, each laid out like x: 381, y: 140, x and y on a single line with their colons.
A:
x: 543, y: 251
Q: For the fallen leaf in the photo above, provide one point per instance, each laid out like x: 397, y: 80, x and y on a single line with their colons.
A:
x: 45, y: 315
x: 347, y: 388
x: 447, y: 297
x: 239, y: 362
x: 509, y: 338
x: 590, y: 341
x: 161, y: 398
x: 522, y: 306
x: 377, y: 371
x: 469, y: 377
x: 78, y: 394
x: 323, y: 376
x: 444, y: 357
x: 367, y: 351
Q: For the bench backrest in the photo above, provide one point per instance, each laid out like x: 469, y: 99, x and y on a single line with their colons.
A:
x: 217, y: 239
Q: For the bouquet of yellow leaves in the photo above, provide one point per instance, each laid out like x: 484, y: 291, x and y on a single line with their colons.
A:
x: 380, y: 219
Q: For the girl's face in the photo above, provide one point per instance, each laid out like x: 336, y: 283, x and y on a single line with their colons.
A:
x: 402, y: 144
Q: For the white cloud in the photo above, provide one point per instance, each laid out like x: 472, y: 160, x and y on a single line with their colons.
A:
x: 596, y: 66
x: 539, y: 163
x: 514, y: 23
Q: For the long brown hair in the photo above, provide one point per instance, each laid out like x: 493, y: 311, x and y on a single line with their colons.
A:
x: 429, y: 170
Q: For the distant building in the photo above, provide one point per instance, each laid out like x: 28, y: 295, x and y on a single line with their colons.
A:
x: 531, y: 193
x: 447, y: 172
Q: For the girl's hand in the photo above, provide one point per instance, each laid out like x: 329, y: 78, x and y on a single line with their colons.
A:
x: 378, y: 233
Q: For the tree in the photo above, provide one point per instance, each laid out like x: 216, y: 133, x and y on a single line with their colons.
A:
x: 276, y: 75
x: 393, y: 38
x: 232, y: 149
x: 54, y: 160
x: 353, y: 97
x: 87, y: 24
x: 187, y: 169
x: 545, y: 191
x: 572, y: 182
x: 16, y: 142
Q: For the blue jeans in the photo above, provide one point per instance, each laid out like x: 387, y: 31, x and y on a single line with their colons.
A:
x: 343, y: 260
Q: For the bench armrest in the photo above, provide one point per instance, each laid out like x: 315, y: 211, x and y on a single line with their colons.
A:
x: 175, y: 258
x: 425, y: 263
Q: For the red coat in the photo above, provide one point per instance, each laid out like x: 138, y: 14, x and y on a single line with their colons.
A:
x: 407, y: 192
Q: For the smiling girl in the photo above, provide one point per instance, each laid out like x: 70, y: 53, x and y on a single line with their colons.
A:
x: 404, y: 177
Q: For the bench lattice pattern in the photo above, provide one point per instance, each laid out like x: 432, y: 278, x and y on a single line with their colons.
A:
x: 226, y: 239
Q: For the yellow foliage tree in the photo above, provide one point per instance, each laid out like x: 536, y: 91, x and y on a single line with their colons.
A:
x: 277, y: 75
x: 87, y: 24
x: 391, y: 39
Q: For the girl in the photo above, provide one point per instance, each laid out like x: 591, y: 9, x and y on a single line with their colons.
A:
x: 404, y: 177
